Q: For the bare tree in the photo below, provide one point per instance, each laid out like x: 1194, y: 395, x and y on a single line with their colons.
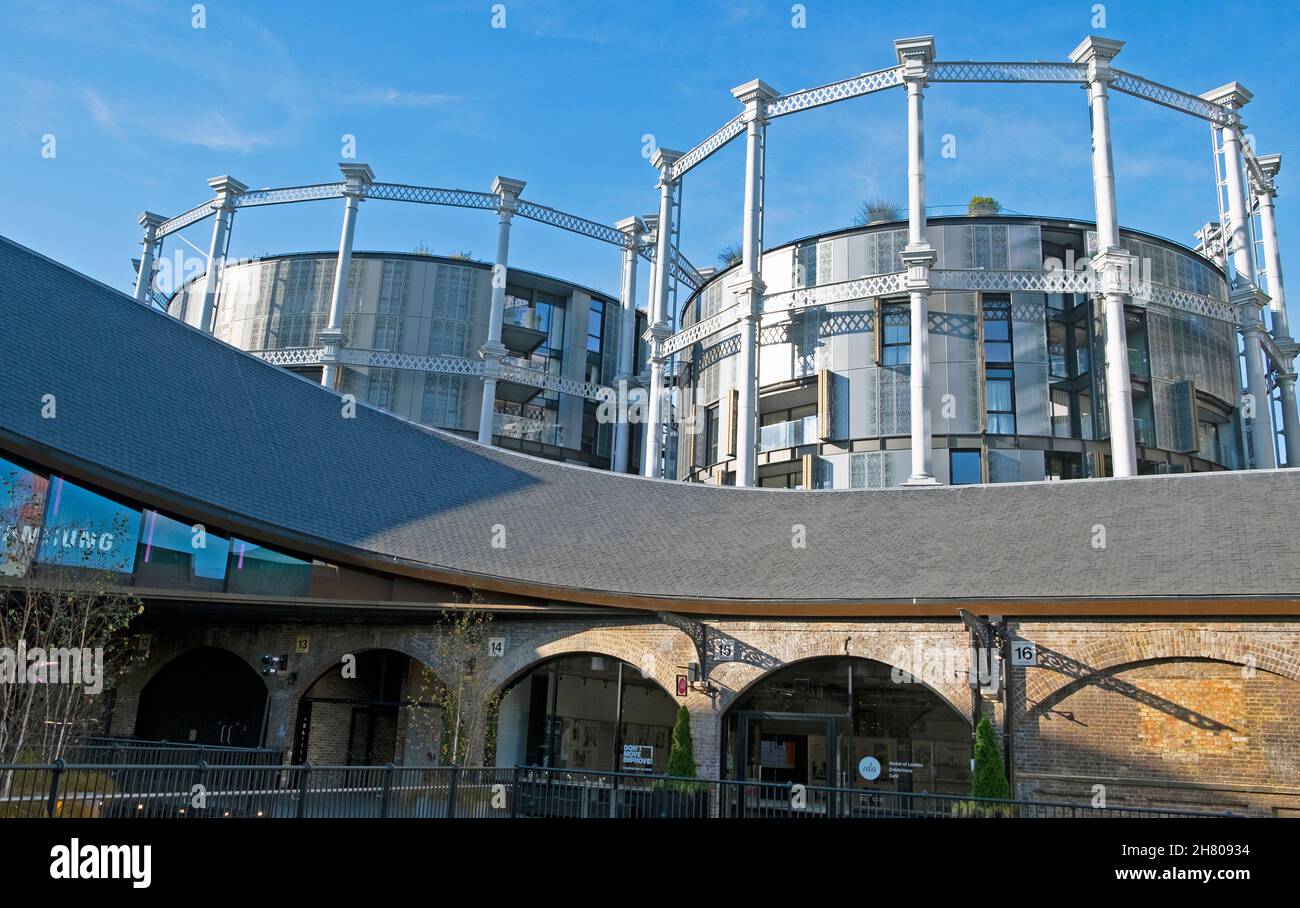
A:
x: 63, y: 613
x: 457, y: 702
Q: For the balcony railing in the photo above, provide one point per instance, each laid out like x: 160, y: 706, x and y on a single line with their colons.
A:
x: 523, y: 317
x: 527, y: 429
x: 1144, y: 432
x: 788, y: 434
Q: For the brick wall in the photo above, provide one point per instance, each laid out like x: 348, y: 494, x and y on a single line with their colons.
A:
x: 1195, y: 713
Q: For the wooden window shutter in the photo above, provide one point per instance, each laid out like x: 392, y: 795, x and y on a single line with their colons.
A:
x: 696, y: 452
x: 809, y: 471
x: 825, y: 404
x: 727, y: 422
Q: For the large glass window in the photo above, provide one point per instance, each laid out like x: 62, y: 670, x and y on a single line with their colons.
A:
x: 964, y: 467
x: 568, y: 714
x: 848, y: 723
x: 255, y: 569
x: 1000, y: 400
x: 176, y: 554
x: 86, y: 530
x: 997, y: 330
x: 711, y: 429
x: 896, y: 342
x: 22, y: 502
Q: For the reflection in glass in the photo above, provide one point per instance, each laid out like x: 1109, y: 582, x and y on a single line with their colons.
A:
x: 22, y: 501
x: 174, y: 554
x: 255, y: 569
x: 85, y: 530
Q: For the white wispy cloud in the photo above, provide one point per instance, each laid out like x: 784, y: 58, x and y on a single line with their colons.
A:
x: 392, y: 97
x: 217, y: 133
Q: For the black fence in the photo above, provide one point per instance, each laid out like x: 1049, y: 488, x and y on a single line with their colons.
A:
x: 119, y: 749
x: 214, y: 790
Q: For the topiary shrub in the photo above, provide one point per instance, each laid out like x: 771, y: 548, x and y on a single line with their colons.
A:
x: 988, y: 780
x: 983, y: 204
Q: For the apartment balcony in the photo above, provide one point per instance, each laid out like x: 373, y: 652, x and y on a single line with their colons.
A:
x: 788, y: 434
x: 521, y: 330
x: 527, y: 429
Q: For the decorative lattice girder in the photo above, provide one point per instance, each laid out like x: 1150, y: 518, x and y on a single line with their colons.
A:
x: 976, y: 71
x: 288, y: 194
x: 705, y: 149
x: 843, y: 90
x: 571, y: 222
x: 432, y: 195
x: 296, y: 356
x: 700, y: 330
x: 536, y: 378
x: 1139, y: 87
x: 843, y: 291
x: 181, y: 221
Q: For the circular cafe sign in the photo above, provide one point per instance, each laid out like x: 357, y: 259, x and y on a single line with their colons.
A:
x: 869, y: 768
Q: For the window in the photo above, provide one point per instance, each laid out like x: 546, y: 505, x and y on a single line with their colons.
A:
x: 379, y: 387
x: 22, y: 502
x: 896, y: 338
x: 1061, y: 423
x: 175, y: 554
x: 997, y: 330
x: 964, y: 467
x: 1000, y: 400
x: 595, y: 326
x: 642, y: 351
x: 86, y: 530
x: 712, y: 427
x: 258, y: 570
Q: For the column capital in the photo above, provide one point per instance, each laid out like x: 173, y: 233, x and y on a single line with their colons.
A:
x: 227, y: 188
x: 1233, y: 96
x: 632, y: 227
x: 664, y: 158
x: 1097, y: 52
x: 755, y: 95
x: 1269, y: 165
x: 151, y: 222
x: 358, y: 177
x: 1116, y: 271
x: 748, y: 288
x: 1248, y: 302
x: 333, y: 340
x: 915, y: 56
x: 917, y: 261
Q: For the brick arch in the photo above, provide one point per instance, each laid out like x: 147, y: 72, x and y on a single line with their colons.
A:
x: 313, y: 669
x: 736, y: 678
x: 154, y: 666
x: 524, y: 656
x: 1113, y: 651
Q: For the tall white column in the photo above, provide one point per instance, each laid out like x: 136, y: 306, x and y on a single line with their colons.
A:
x: 144, y: 277
x: 652, y: 464
x: 1234, y: 96
x: 227, y: 189
x: 1264, y: 194
x: 748, y: 286
x: 507, y: 192
x: 1112, y: 265
x: 632, y: 229
x: 357, y: 177
x: 915, y: 55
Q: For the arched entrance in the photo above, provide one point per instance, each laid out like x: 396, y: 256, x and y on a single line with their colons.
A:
x: 361, y: 713
x: 585, y: 711
x: 846, y: 722
x: 206, y: 696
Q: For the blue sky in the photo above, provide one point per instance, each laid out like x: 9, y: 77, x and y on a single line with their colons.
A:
x: 144, y: 108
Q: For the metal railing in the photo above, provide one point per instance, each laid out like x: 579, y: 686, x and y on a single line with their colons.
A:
x: 203, y: 790
x: 116, y: 749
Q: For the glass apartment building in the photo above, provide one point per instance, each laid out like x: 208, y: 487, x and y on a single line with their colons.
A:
x: 1017, y: 379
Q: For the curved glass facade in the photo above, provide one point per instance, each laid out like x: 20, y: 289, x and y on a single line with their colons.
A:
x: 424, y: 305
x: 1016, y: 380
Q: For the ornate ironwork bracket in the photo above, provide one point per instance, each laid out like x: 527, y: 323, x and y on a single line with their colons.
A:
x: 713, y: 647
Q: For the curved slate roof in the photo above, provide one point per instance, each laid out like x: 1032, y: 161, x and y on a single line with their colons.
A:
x: 151, y: 407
